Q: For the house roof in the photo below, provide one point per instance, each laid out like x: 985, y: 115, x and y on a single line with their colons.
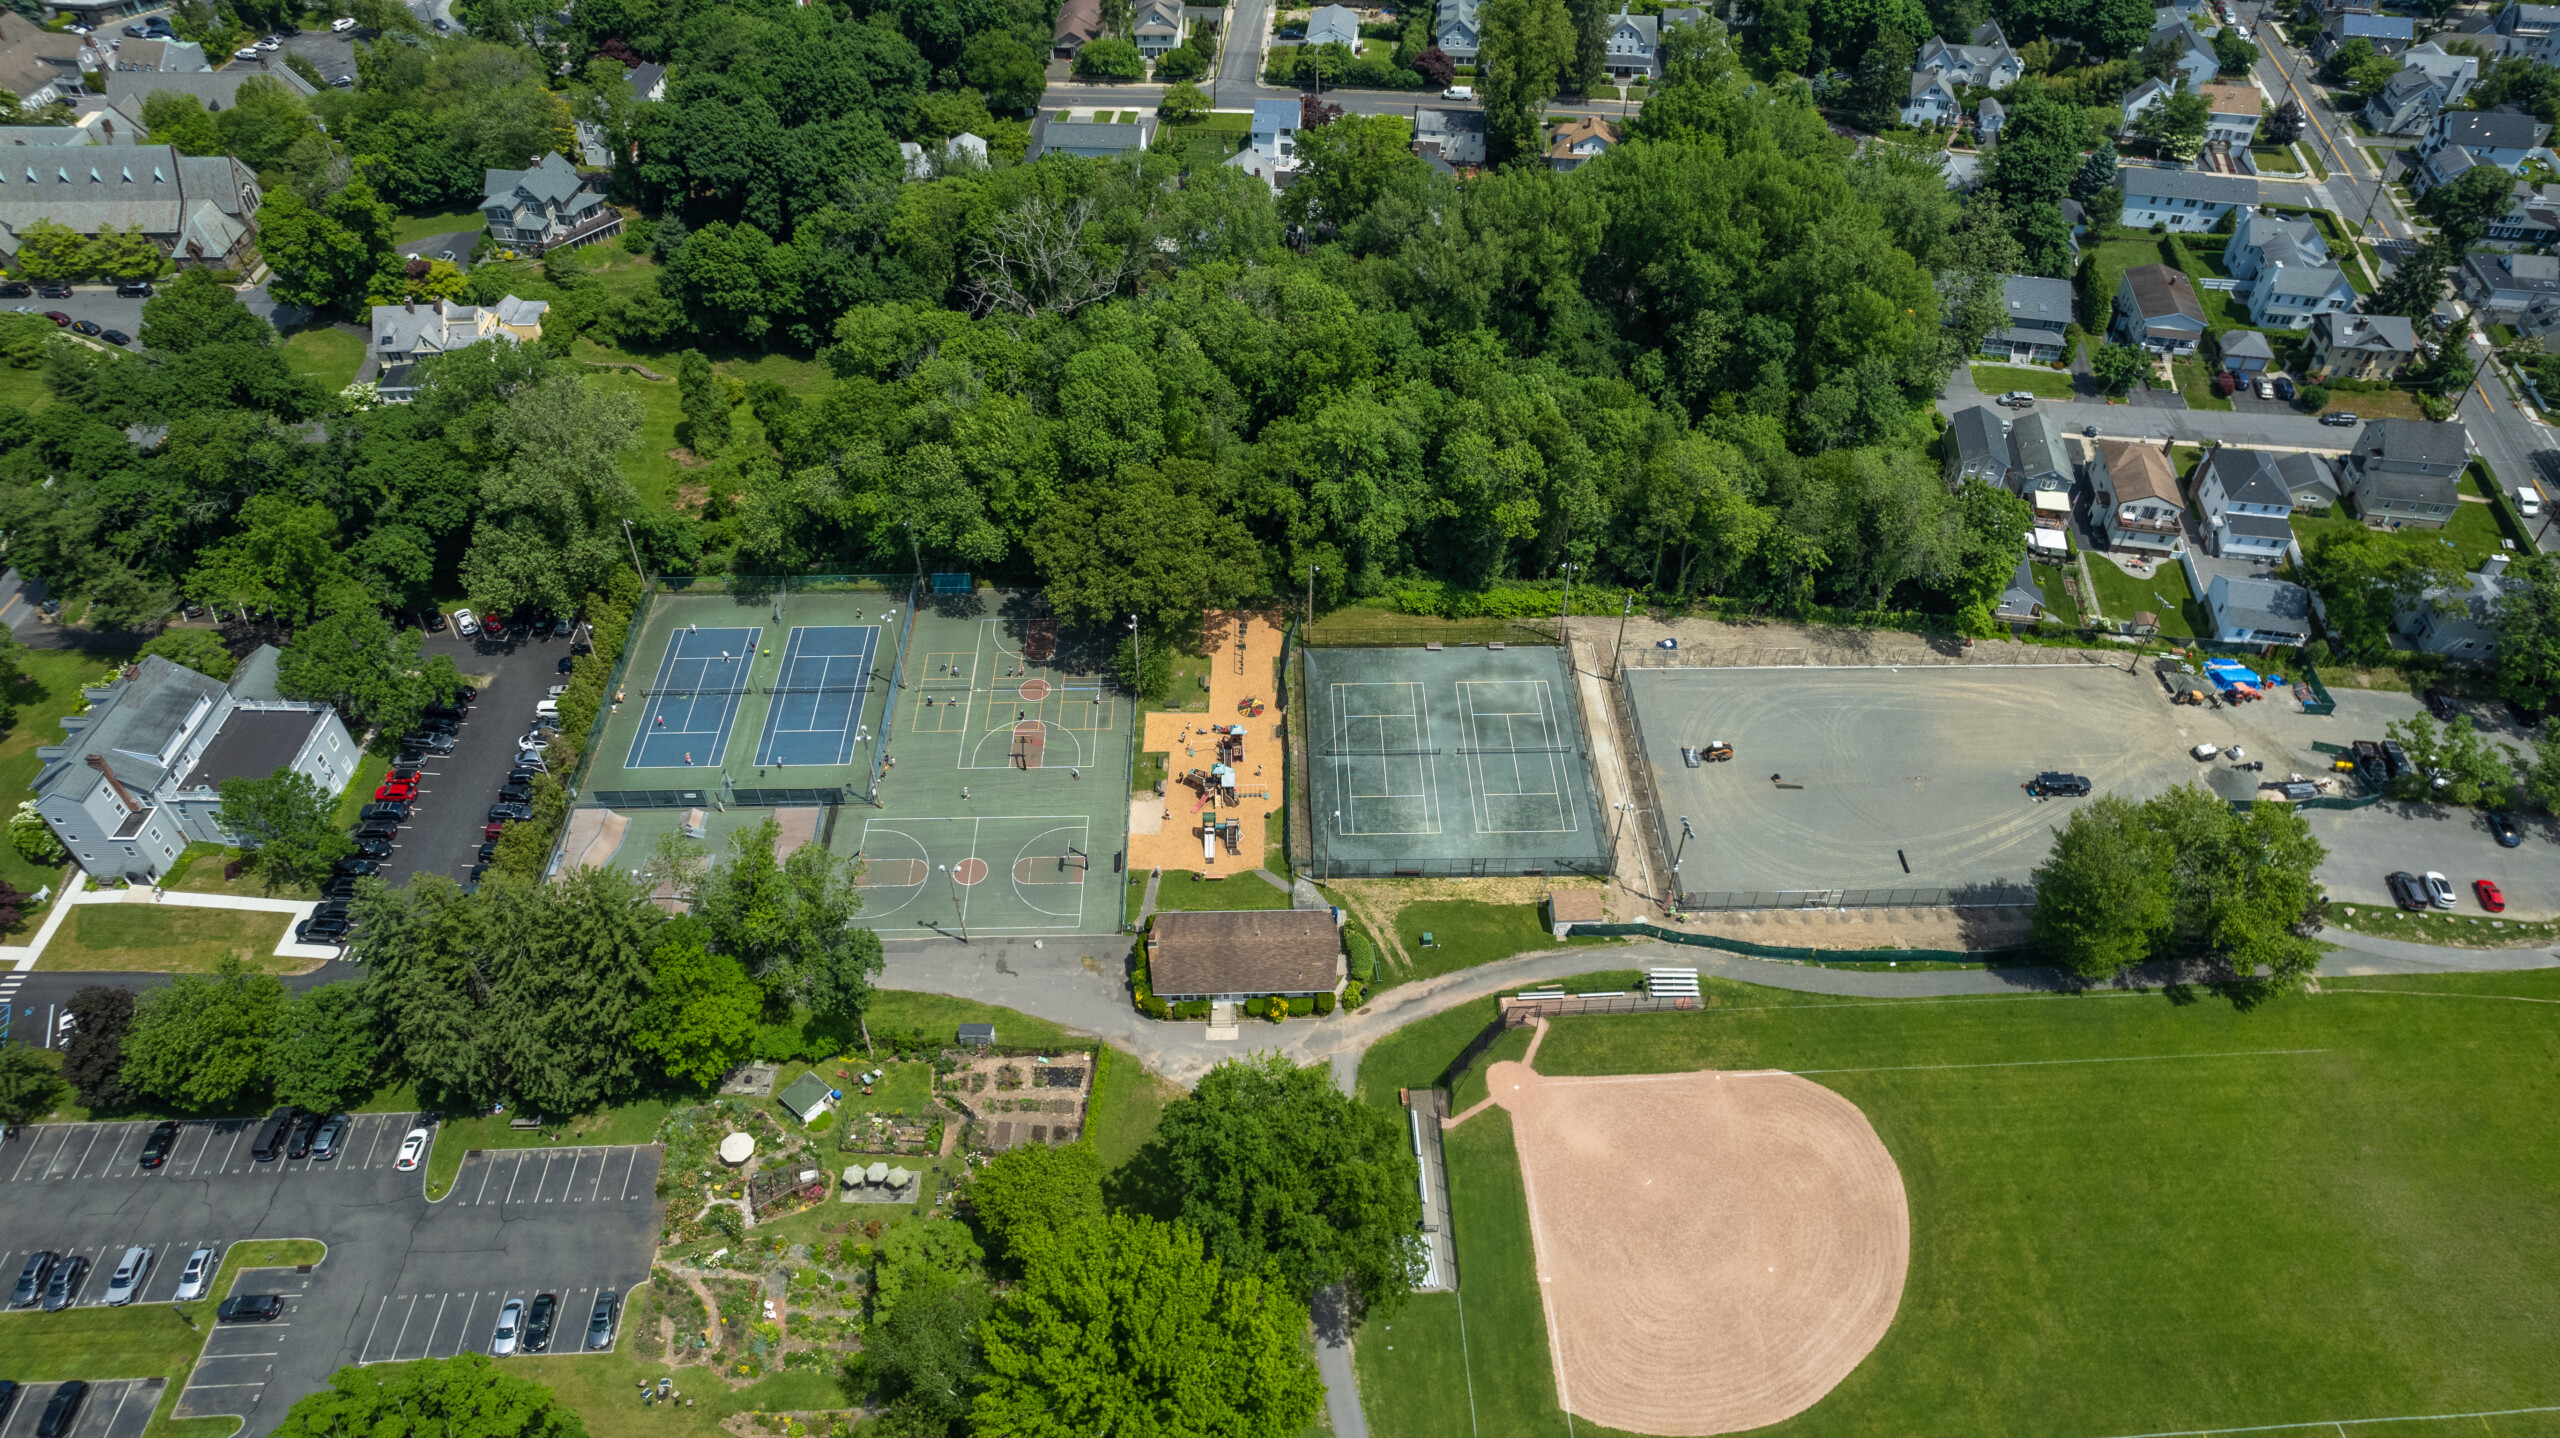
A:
x: 159, y: 55
x: 2137, y: 471
x: 1079, y: 21
x: 87, y: 187
x: 804, y: 1094
x: 2282, y: 241
x: 143, y: 719
x: 2250, y: 603
x: 1334, y: 25
x: 2234, y: 99
x: 2436, y: 60
x: 255, y: 678
x: 2408, y: 84
x: 1582, y: 131
x: 1979, y: 436
x: 2535, y: 274
x: 2038, y: 301
x: 2246, y: 344
x: 1089, y: 135
x: 2499, y: 129
x: 2257, y: 526
x: 1253, y: 951
x: 2199, y: 185
x: 2248, y: 476
x: 1270, y: 115
x: 2416, y: 441
x: 2306, y: 471
x: 2023, y: 596
x: 2160, y: 292
x: 550, y: 179
x: 2374, y: 27
x: 2035, y: 443
x: 1164, y: 18
x: 1428, y: 123
x: 646, y: 77
x: 2377, y: 334
x: 252, y: 744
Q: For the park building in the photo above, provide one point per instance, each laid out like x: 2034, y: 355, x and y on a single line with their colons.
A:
x: 138, y: 777
x: 199, y: 210
x: 1245, y: 954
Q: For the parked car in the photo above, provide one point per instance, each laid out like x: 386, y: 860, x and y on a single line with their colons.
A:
x: 245, y: 52
x: 2488, y: 895
x: 125, y: 1284
x: 600, y: 1323
x: 494, y: 624
x: 331, y: 1137
x: 340, y: 887
x: 360, y: 868
x: 2439, y: 890
x: 516, y: 794
x: 2019, y: 398
x: 8, y: 1400
x: 133, y: 289
x: 537, y: 1321
x: 567, y: 664
x: 341, y: 25
x: 268, y: 1146
x: 63, y: 1410
x: 31, y: 1278
x: 495, y: 828
x: 377, y: 831
x: 510, y: 1322
x: 2266, y: 388
x: 396, y: 791
x: 487, y: 851
x: 321, y: 931
x: 2342, y: 417
x: 434, y: 622
x: 467, y: 695
x: 2407, y: 891
x: 58, y: 317
x: 413, y: 1150
x: 15, y: 290
x: 1458, y: 92
x: 2284, y: 387
x: 334, y: 909
x: 462, y: 621
x: 531, y: 744
x: 2439, y: 705
x: 376, y: 849
x: 198, y: 1273
x: 155, y: 1149
x: 54, y: 290
x: 510, y: 811
x: 250, y: 1308
x: 428, y: 743
x: 386, y: 809
x: 63, y: 1289
x: 115, y: 337
x: 2503, y: 826
x: 530, y: 759
x: 452, y: 712
x: 2052, y: 785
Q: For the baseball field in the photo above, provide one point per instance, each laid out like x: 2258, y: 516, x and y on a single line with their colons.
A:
x: 2139, y: 1214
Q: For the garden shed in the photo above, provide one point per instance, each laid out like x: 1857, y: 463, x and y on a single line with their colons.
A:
x: 808, y: 1096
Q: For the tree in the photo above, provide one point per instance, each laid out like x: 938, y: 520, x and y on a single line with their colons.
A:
x: 1436, y: 68
x: 202, y: 1041
x: 51, y: 251
x: 2285, y: 125
x: 1123, y: 1325
x: 2528, y: 620
x: 465, y: 1396
x: 325, y: 1049
x: 2452, y: 765
x: 2314, y: 398
x: 376, y: 675
x: 571, y: 968
x: 1883, y: 78
x: 2528, y: 84
x: 1000, y: 65
x: 2541, y: 782
x: 175, y: 118
x: 325, y: 258
x: 1110, y: 58
x: 2114, y: 28
x: 1350, y: 164
x: 287, y: 824
x: 2415, y: 286
x: 93, y: 1057
x: 2366, y: 576
x: 198, y: 649
x: 2115, y: 367
x: 29, y: 1087
x: 702, y: 1013
x: 1152, y: 542
x: 550, y: 525
x: 33, y: 838
x: 2464, y: 207
x: 127, y: 254
x: 1588, y: 68
x: 2102, y: 895
x: 791, y: 924
x: 196, y: 310
x: 2234, y: 55
x: 1028, y: 1192
x: 2244, y: 884
x: 1280, y: 1170
x: 1182, y: 102
x: 2096, y: 175
x: 923, y: 1358
x: 1526, y: 45
x: 2344, y: 60
x: 284, y: 557
x: 912, y: 1256
x: 2175, y: 126
x: 705, y: 403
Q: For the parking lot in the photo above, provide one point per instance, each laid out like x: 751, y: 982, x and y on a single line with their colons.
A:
x: 119, y: 1409
x: 403, y: 1277
x: 445, y: 829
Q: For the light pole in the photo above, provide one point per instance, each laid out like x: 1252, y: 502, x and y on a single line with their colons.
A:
x: 1617, y: 656
x: 1137, y: 663
x: 1686, y: 834
x: 1309, y: 626
x: 1564, y: 635
x: 636, y: 566
x: 957, y: 912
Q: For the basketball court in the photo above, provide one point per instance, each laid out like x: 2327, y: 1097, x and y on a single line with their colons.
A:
x: 1464, y: 761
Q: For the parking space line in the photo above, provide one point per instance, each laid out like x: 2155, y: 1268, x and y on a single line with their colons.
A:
x: 488, y: 1163
x: 464, y: 1335
x: 543, y: 1182
x: 34, y: 1146
x: 120, y: 1402
x: 512, y: 1176
x: 365, y: 1354
x: 629, y: 1173
x: 84, y: 1155
x: 603, y: 1161
x: 443, y: 1301
x: 184, y: 1132
x: 403, y: 1335
x: 375, y: 1147
x: 235, y: 1148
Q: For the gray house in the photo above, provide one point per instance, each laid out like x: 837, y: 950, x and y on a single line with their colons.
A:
x: 2503, y: 286
x: 2039, y: 311
x: 2387, y: 34
x: 2023, y: 601
x: 1457, y: 30
x: 2191, y: 200
x: 1334, y: 25
x: 2258, y: 611
x: 2459, y: 139
x: 2406, y: 473
x: 2038, y: 457
x: 2245, y: 352
x: 547, y: 205
x: 1089, y: 139
x: 2310, y: 479
x: 1977, y: 447
x: 2245, y: 505
x: 2463, y: 622
x: 137, y: 777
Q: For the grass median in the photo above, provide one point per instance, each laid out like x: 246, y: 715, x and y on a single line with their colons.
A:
x: 457, y: 1137
x: 167, y: 938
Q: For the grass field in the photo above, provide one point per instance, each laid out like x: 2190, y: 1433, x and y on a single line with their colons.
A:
x: 1179, y: 889
x: 1126, y: 1105
x: 1465, y: 934
x: 49, y: 689
x: 325, y: 353
x: 163, y: 938
x: 635, y: 1122
x: 1999, y: 379
x: 2165, y: 594
x: 409, y: 229
x: 2058, y: 602
x: 2473, y: 534
x: 2133, y: 1213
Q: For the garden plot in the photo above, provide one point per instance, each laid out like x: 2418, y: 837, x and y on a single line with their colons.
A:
x: 1012, y: 1100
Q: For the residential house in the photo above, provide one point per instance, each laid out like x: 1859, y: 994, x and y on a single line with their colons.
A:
x: 40, y: 66
x: 1245, y: 954
x: 2039, y: 457
x: 1633, y: 45
x: 2327, y: 8
x: 2244, y: 504
x: 1571, y: 145
x: 2193, y: 54
x: 2039, y: 312
x: 1334, y: 25
x: 2022, y: 603
x: 2388, y: 34
x: 2347, y: 346
x: 2531, y: 30
x: 1457, y: 29
x: 2258, y: 611
x: 1445, y: 137
x: 198, y: 210
x: 138, y: 777
x: 1271, y: 151
x: 2232, y: 113
x: 2406, y: 104
x: 648, y: 82
x: 1079, y: 24
x: 960, y: 153
x: 2460, y: 622
x: 2406, y: 473
x: 2182, y: 200
x: 2532, y: 217
x: 2245, y: 352
x: 1932, y: 101
x: 1098, y: 139
x: 2157, y: 309
x: 406, y: 334
x: 1673, y: 15
x: 2134, y: 502
x: 2505, y: 137
x: 1160, y: 26
x: 1985, y: 61
x: 216, y: 90
x: 1988, y: 117
x: 1977, y: 447
x: 2311, y: 480
x: 546, y: 206
x: 2143, y: 96
x: 165, y: 57
x: 2502, y: 286
x: 2285, y: 273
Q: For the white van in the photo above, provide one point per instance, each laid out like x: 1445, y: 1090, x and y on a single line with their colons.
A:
x: 2529, y: 501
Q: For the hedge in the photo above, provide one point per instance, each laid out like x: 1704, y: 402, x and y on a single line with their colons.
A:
x: 1363, y: 954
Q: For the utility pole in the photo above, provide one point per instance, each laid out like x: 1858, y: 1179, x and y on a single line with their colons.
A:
x: 1686, y: 834
x: 636, y: 566
x: 1617, y: 655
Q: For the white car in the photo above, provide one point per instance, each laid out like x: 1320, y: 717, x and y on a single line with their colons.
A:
x: 1459, y: 92
x: 532, y: 744
x: 547, y: 709
x: 270, y: 46
x: 510, y: 1321
x: 413, y: 1150
x: 341, y: 26
x: 126, y: 1285
x: 465, y: 625
x: 196, y: 1276
x: 245, y: 52
x: 2529, y: 501
x: 2439, y: 890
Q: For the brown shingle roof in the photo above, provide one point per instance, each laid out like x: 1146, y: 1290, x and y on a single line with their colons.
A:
x: 2139, y: 471
x: 2234, y: 99
x: 2159, y: 290
x: 1265, y: 951
x: 1566, y: 136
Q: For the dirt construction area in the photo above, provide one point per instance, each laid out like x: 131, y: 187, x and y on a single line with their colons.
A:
x: 1716, y: 1250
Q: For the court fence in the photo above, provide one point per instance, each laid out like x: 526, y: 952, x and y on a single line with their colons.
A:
x: 889, y: 709
x: 1329, y: 867
x: 1991, y: 958
x: 1969, y: 896
x: 631, y: 631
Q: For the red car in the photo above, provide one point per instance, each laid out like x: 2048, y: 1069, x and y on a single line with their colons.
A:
x: 58, y: 317
x: 496, y: 827
x: 402, y: 790
x: 493, y: 625
x: 2489, y: 896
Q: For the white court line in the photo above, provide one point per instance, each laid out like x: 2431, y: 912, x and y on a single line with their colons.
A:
x: 1414, y: 713
x: 1548, y: 735
x: 2029, y: 1063
x: 2342, y: 1423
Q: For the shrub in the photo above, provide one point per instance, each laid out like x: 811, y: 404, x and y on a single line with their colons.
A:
x: 2314, y: 397
x: 1155, y: 1008
x: 1110, y: 60
x: 1181, y: 63
x: 823, y: 1122
x: 33, y: 838
x: 1275, y: 1008
x: 1362, y: 954
x: 1301, y: 1007
x: 1324, y: 1004
x: 1354, y: 994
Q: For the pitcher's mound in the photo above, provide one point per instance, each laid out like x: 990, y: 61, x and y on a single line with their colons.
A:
x: 1716, y: 1250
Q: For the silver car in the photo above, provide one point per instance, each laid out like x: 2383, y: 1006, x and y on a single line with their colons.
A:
x: 125, y: 1284
x: 510, y: 1323
x: 196, y: 1276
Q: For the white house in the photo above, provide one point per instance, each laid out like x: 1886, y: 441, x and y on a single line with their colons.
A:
x: 2245, y: 504
x: 1933, y: 100
x: 138, y: 777
x: 2459, y: 139
x: 2430, y: 82
x: 2194, y: 200
x: 1985, y: 62
x: 1334, y: 25
x: 2285, y: 273
x: 2134, y: 503
x: 1272, y: 152
x: 1457, y: 30
x: 1160, y: 26
x: 1633, y: 45
x: 2232, y: 113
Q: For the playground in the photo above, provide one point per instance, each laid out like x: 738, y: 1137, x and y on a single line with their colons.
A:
x: 1465, y: 761
x: 1230, y: 756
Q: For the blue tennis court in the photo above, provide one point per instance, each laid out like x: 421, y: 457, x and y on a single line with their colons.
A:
x: 695, y: 699
x: 817, y: 701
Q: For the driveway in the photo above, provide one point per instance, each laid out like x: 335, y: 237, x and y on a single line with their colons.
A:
x: 332, y: 53
x: 101, y: 303
x: 455, y: 790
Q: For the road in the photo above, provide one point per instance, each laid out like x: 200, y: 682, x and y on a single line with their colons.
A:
x: 2353, y: 188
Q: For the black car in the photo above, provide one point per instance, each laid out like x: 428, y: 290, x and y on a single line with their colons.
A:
x: 2340, y: 418
x: 522, y: 774
x: 155, y: 1149
x: 487, y: 851
x: 373, y: 849
x: 393, y: 809
x: 54, y: 290
x: 2050, y: 784
x: 600, y: 1323
x: 440, y: 728
x: 537, y: 1322
x: 85, y: 327
x: 435, y: 622
x: 452, y: 712
x: 476, y: 871
x: 334, y: 909
x: 379, y: 829
x: 31, y: 1278
x: 134, y: 290
x: 63, y: 1289
x: 340, y: 888
x: 498, y: 812
x: 321, y: 931
x: 2439, y: 705
x: 2284, y: 387
x: 63, y: 1411
x: 2525, y: 715
x: 567, y: 664
x: 8, y: 1398
x: 115, y: 337
x: 2408, y: 891
x: 2396, y: 759
x: 516, y: 794
x: 2504, y: 827
x: 359, y: 868
x: 250, y: 1308
x: 299, y: 1146
x: 16, y: 290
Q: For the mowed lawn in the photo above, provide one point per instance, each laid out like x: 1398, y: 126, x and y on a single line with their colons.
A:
x: 2130, y: 1214
x: 1999, y: 379
x: 166, y: 938
x: 2164, y: 593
